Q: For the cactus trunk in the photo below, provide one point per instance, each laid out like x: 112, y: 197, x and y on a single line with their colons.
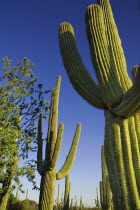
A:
x: 47, y: 190
x: 122, y: 155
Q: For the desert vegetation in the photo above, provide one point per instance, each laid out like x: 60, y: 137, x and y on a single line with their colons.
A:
x: 23, y: 109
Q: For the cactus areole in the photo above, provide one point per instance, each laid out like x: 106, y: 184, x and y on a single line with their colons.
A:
x: 115, y: 93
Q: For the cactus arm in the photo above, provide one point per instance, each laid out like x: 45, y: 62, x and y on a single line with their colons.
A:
x: 57, y: 145
x: 118, y: 62
x: 71, y: 156
x: 53, y: 120
x: 107, y: 77
x: 78, y: 74
x: 130, y: 102
x: 39, y: 151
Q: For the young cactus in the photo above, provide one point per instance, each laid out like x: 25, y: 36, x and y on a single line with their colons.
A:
x: 81, y: 204
x: 115, y: 94
x: 47, y: 168
x: 67, y: 193
x: 97, y: 202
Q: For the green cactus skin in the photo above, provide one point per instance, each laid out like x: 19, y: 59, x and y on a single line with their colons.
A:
x: 47, y: 168
x: 67, y: 192
x: 105, y: 192
x: 115, y: 93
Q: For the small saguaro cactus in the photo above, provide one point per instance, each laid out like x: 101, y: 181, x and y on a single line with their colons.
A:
x: 81, y: 204
x: 115, y: 93
x: 71, y: 204
x: 97, y: 202
x: 67, y: 192
x: 105, y: 192
x: 47, y: 168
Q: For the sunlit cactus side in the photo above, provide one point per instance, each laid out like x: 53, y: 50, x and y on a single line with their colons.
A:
x: 105, y: 192
x: 67, y: 192
x: 115, y: 93
x: 47, y: 168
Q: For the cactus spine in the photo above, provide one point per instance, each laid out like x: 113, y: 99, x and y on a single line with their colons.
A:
x: 115, y: 93
x: 47, y: 168
x: 105, y: 192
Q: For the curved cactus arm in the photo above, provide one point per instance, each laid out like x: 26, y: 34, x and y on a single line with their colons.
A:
x: 130, y: 102
x: 116, y: 53
x: 78, y: 74
x: 108, y: 78
x: 71, y: 156
x: 57, y: 145
x: 39, y: 151
x: 53, y: 120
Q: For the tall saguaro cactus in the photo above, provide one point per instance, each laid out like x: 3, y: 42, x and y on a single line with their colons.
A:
x: 116, y: 94
x: 47, y: 168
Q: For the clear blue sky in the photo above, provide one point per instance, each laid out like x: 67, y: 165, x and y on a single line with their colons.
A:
x: 29, y: 29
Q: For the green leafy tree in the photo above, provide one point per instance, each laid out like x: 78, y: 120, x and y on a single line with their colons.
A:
x: 21, y: 102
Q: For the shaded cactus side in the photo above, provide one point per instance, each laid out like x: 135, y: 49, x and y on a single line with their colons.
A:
x: 115, y: 94
x: 47, y: 168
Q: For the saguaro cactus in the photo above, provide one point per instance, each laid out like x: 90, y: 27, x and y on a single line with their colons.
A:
x: 67, y: 193
x: 97, y: 202
x: 115, y: 93
x: 47, y: 168
x: 105, y: 192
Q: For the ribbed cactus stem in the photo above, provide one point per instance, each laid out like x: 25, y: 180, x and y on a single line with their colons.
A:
x: 47, y: 168
x: 117, y: 95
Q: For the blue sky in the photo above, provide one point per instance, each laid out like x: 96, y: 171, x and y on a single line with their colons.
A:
x: 29, y: 29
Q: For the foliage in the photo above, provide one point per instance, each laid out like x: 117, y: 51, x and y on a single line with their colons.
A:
x: 21, y: 102
x: 15, y: 204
